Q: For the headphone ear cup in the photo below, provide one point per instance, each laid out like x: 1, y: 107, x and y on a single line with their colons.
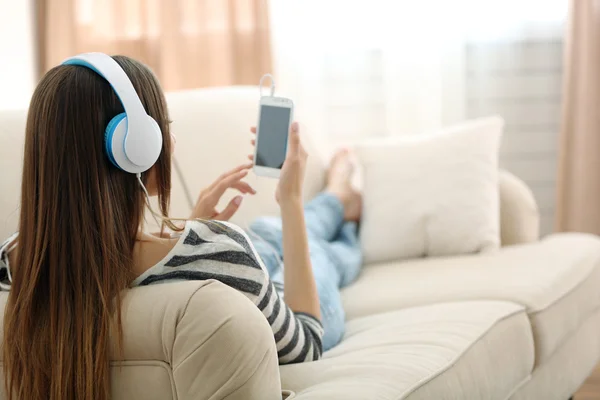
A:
x: 108, y: 137
x: 157, y: 132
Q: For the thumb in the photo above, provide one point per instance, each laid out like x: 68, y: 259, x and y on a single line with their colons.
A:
x: 230, y: 210
x: 294, y: 139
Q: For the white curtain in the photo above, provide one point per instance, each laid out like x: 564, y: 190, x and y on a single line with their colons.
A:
x: 367, y: 68
x: 381, y: 67
x: 362, y: 68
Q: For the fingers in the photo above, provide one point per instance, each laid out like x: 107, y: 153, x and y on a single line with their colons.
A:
x: 243, y: 187
x: 228, y: 174
x: 239, y: 168
x: 253, y: 143
x: 230, y: 210
x: 232, y: 181
x: 227, y: 182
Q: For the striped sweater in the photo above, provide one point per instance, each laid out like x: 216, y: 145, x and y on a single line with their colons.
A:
x: 222, y: 251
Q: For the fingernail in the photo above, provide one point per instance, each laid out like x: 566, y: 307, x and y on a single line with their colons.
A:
x: 238, y: 200
x: 294, y: 127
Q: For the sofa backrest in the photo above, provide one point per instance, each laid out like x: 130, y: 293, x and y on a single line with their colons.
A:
x: 212, y: 128
x: 212, y: 131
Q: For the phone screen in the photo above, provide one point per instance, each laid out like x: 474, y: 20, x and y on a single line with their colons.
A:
x: 272, y: 136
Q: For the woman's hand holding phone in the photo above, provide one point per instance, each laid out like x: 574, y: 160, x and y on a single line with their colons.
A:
x: 289, y: 188
x: 300, y: 289
x: 291, y: 179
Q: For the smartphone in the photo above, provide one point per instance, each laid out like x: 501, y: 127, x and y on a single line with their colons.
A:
x: 274, y: 121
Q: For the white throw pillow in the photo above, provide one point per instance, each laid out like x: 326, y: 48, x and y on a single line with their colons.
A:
x: 431, y: 195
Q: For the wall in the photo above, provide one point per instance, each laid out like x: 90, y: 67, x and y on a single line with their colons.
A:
x: 17, y: 65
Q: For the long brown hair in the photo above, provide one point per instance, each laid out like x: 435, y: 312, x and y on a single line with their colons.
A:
x: 78, y: 224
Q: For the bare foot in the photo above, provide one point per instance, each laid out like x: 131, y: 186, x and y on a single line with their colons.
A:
x: 339, y: 179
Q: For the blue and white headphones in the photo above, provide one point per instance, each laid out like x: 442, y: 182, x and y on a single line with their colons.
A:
x: 133, y: 140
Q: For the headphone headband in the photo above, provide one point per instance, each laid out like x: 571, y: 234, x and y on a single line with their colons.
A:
x: 137, y: 133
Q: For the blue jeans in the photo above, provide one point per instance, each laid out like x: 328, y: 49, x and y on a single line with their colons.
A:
x: 334, y: 253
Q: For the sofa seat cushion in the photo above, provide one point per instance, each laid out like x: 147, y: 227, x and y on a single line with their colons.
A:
x: 462, y: 350
x: 557, y: 280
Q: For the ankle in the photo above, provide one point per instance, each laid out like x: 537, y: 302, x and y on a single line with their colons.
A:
x: 351, y: 202
x: 342, y: 195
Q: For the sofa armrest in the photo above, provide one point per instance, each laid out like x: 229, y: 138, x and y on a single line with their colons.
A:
x: 188, y: 341
x: 519, y: 214
x: 211, y: 340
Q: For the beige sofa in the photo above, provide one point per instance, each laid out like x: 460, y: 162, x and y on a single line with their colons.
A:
x: 522, y: 323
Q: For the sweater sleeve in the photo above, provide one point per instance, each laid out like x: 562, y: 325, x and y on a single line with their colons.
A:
x: 222, y: 251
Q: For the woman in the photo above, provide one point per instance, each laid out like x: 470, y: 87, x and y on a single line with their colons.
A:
x: 81, y: 242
